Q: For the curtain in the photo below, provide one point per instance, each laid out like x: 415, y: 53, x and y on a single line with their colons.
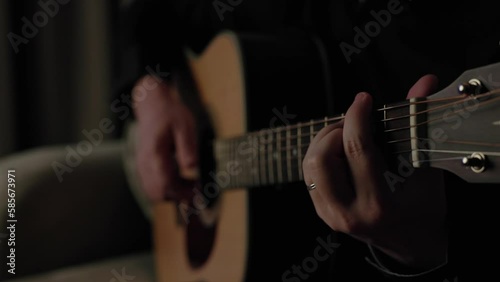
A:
x: 7, y: 109
x: 57, y: 81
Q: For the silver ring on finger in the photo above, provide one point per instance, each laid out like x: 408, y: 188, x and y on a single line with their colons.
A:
x: 311, y: 187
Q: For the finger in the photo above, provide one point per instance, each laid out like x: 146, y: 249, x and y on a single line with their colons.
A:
x: 312, y: 152
x: 424, y: 87
x: 326, y: 167
x: 326, y: 130
x: 156, y: 165
x: 186, y: 145
x: 359, y: 147
x: 150, y: 102
x: 159, y: 169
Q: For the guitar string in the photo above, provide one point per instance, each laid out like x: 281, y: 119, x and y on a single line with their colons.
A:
x: 441, y: 118
x: 460, y: 98
x: 441, y: 160
x: 449, y: 141
x: 484, y: 144
x: 297, y: 174
x: 403, y: 104
x: 428, y: 110
x: 496, y: 154
x: 294, y: 156
x: 339, y: 118
x: 293, y: 166
x: 293, y: 137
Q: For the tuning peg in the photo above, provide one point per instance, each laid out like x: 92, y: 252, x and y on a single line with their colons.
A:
x: 473, y: 87
x: 476, y: 161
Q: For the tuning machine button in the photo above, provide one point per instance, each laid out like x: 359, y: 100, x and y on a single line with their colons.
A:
x: 473, y: 87
x: 476, y: 161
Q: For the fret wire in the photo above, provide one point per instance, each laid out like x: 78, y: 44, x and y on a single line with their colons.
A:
x: 270, y: 160
x: 299, y: 141
x: 255, y: 162
x: 311, y: 132
x: 235, y: 157
x: 239, y: 176
x: 248, y: 161
x: 288, y: 155
x: 251, y: 179
x: 278, y: 149
x: 254, y: 158
x: 244, y: 168
x: 262, y: 159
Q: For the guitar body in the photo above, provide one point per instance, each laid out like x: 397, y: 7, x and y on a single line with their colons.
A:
x: 239, y: 82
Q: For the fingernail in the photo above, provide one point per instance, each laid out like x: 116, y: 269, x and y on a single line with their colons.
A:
x: 361, y: 96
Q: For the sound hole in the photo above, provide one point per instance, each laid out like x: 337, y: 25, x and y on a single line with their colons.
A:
x: 201, y: 236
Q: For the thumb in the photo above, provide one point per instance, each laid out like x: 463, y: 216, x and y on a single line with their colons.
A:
x: 424, y: 87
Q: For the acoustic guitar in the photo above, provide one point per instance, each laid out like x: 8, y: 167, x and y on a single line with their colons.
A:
x: 252, y: 144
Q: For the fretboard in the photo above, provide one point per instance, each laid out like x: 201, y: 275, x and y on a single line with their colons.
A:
x: 274, y: 155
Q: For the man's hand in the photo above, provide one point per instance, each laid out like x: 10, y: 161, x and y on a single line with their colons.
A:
x: 353, y: 197
x: 167, y: 151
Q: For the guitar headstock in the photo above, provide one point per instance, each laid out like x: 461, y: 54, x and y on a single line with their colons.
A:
x: 462, y: 127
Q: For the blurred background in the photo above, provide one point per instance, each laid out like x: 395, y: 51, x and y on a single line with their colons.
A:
x: 65, y: 67
x: 63, y: 64
x: 56, y: 78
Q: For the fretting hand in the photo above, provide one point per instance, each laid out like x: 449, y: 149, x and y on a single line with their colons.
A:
x: 352, y: 196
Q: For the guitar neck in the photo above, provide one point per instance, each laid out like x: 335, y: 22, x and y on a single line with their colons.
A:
x: 274, y: 156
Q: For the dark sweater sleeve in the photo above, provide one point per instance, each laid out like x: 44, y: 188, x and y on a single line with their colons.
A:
x: 395, y: 271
